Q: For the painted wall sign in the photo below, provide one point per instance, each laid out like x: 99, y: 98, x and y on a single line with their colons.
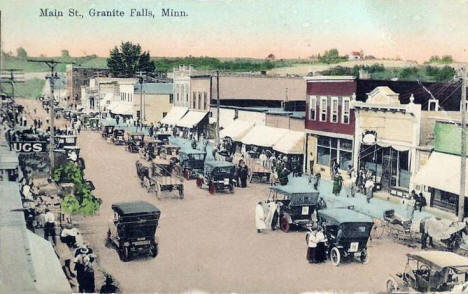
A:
x: 27, y: 147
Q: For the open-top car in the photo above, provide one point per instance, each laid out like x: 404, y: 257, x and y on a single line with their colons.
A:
x: 118, y: 137
x: 132, y: 231
x: 191, y: 162
x: 347, y: 232
x: 135, y: 141
x: 65, y: 140
x: 217, y: 176
x: 430, y: 271
x: 295, y: 205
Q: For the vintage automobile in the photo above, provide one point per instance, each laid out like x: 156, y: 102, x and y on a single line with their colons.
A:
x: 132, y: 231
x: 295, y: 205
x: 118, y: 137
x: 430, y: 271
x: 191, y: 162
x: 164, y: 137
x: 218, y: 176
x: 65, y: 140
x: 160, y: 175
x: 135, y: 141
x: 107, y: 131
x: 347, y: 232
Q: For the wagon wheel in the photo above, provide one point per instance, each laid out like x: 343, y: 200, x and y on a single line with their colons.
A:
x: 391, y: 285
x: 212, y: 188
x: 284, y: 224
x: 199, y: 183
x: 186, y: 174
x: 364, y: 257
x: 335, y: 256
x: 157, y: 190
x: 153, y: 250
x: 181, y: 192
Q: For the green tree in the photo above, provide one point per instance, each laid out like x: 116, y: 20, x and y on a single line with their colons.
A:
x: 128, y: 59
x: 65, y: 53
x: 21, y: 53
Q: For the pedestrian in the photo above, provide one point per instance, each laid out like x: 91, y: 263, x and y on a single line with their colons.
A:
x: 260, y: 217
x: 337, y: 184
x: 283, y: 175
x: 422, y: 201
x: 369, y: 188
x: 35, y: 123
x: 109, y: 286
x: 263, y: 159
x: 311, y: 241
x: 424, y: 235
x: 320, y: 253
x: 244, y: 173
x: 49, y: 225
x: 317, y: 177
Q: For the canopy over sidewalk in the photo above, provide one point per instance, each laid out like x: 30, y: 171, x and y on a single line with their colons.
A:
x: 237, y: 129
x: 191, y: 119
x: 448, y: 180
x: 291, y: 143
x: 174, y: 115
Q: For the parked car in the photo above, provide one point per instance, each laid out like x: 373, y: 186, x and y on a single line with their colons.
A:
x: 135, y: 141
x: 218, y: 176
x: 65, y: 140
x: 347, y: 232
x: 430, y: 271
x: 107, y: 131
x: 118, y: 137
x: 164, y: 137
x: 296, y: 205
x: 191, y: 162
x: 132, y: 231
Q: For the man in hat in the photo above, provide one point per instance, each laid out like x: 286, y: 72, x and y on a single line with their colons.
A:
x: 311, y: 242
x: 49, y: 225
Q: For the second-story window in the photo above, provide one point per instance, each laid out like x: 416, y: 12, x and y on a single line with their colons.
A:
x: 205, y: 99
x: 313, y: 108
x: 199, y: 100
x: 345, y: 110
x: 194, y: 98
x: 323, y: 109
x: 334, y: 109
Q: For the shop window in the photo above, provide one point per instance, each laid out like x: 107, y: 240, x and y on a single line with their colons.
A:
x: 346, y: 158
x: 199, y: 100
x: 323, y: 109
x: 345, y: 110
x: 205, y: 100
x: 194, y: 99
x: 171, y: 99
x: 323, y: 155
x: 312, y: 108
x: 334, y: 110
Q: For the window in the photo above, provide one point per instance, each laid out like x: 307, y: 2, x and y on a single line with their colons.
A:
x: 334, y: 110
x: 164, y: 114
x: 312, y: 107
x: 433, y: 105
x: 329, y: 149
x: 199, y: 100
x: 323, y: 109
x: 205, y: 99
x: 345, y: 110
x: 171, y: 99
x: 194, y: 98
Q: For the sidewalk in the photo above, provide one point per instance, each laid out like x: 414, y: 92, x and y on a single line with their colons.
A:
x: 374, y: 209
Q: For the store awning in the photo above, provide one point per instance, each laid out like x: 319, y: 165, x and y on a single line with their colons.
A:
x: 174, y: 115
x: 191, y: 119
x: 122, y: 109
x: 291, y: 143
x: 264, y: 136
x: 237, y: 130
x: 441, y: 171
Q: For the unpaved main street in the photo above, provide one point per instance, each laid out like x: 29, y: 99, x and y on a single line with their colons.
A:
x: 210, y: 242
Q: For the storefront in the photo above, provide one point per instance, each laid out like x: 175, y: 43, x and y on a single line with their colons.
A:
x: 292, y: 146
x: 194, y: 121
x: 330, y: 149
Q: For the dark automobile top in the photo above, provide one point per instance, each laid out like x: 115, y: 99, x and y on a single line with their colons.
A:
x: 218, y: 163
x: 136, y: 207
x: 298, y: 194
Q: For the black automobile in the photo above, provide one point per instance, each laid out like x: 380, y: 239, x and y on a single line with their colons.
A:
x: 218, y: 176
x: 135, y: 141
x: 118, y: 137
x: 107, y: 131
x: 191, y: 162
x: 163, y: 137
x: 62, y: 141
x: 295, y: 205
x: 347, y: 232
x: 133, y: 229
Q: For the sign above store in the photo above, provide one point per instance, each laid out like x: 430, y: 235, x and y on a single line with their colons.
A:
x: 26, y: 147
x: 369, y: 137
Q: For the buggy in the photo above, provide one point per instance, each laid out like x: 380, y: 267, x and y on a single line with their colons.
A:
x: 118, y: 137
x: 159, y: 175
x: 430, y: 271
x: 347, y: 232
x: 191, y: 162
x: 132, y: 231
x: 218, y: 176
x: 295, y: 206
x: 135, y: 141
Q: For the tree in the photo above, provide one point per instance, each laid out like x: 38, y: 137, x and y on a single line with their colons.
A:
x: 65, y: 53
x: 331, y: 56
x: 128, y: 59
x: 21, y: 53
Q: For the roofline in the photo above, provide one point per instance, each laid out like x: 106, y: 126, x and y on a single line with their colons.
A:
x: 329, y: 78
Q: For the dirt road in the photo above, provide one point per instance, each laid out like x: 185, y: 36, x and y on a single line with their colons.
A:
x: 210, y: 242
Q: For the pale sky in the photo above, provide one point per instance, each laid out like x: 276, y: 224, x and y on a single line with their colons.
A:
x: 411, y: 29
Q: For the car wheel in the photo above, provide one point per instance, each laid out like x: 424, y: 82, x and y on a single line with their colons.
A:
x: 186, y: 174
x: 212, y: 188
x: 199, y: 183
x: 274, y: 222
x: 124, y: 254
x: 391, y: 285
x: 335, y: 256
x: 153, y: 249
x: 364, y: 258
x: 284, y: 224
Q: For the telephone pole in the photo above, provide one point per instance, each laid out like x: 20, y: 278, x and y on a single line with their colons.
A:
x: 217, y: 108
x: 52, y: 64
x: 461, y: 201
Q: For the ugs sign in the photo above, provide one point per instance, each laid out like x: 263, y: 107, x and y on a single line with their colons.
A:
x: 27, y: 147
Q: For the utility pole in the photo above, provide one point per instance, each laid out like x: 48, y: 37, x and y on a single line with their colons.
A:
x: 140, y: 80
x: 217, y: 108
x: 52, y: 64
x: 461, y: 200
